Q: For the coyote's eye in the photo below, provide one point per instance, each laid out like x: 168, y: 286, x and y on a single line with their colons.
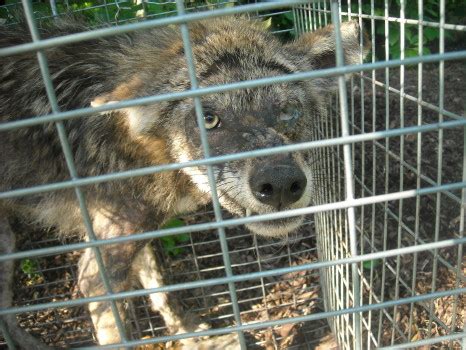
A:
x: 290, y: 112
x: 211, y: 121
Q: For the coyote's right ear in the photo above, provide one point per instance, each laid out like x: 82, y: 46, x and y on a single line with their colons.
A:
x: 138, y: 121
x: 316, y: 50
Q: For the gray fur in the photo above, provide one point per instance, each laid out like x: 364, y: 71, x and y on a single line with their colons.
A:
x: 145, y: 63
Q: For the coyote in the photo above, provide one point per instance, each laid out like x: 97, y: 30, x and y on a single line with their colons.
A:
x: 106, y: 70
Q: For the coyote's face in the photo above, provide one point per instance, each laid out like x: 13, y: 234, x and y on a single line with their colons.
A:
x: 246, y: 120
x: 249, y: 120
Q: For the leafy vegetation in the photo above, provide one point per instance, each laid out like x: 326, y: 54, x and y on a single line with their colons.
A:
x: 170, y: 243
x: 96, y: 12
x: 30, y: 268
x: 281, y: 23
x: 371, y: 264
x: 454, y: 13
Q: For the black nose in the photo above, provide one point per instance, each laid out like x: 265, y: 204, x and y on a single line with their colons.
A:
x: 278, y: 185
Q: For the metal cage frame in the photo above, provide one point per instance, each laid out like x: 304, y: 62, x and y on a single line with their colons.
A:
x: 339, y: 212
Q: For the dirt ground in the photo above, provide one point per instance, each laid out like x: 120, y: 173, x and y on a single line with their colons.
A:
x: 53, y: 278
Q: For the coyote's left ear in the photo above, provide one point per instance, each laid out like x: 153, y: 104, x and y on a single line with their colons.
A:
x: 316, y: 50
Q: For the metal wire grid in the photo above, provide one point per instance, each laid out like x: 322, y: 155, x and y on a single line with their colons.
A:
x: 113, y: 9
x: 327, y: 221
x: 152, y: 328
x: 404, y: 216
x: 199, y: 258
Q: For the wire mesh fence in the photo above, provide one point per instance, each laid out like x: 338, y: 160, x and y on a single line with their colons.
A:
x: 394, y: 165
x: 378, y: 262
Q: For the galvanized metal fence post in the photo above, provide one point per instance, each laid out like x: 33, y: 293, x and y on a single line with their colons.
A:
x: 348, y: 173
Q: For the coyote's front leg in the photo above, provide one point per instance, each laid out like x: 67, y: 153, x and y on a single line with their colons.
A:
x: 148, y: 269
x: 117, y: 259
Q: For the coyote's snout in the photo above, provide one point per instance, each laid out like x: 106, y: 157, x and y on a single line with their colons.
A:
x: 145, y: 63
x: 278, y: 185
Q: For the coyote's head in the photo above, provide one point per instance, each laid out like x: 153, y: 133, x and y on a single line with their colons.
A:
x: 227, y: 51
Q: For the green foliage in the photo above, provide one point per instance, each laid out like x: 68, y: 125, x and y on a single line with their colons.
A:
x: 96, y: 12
x: 454, y: 13
x: 367, y: 265
x: 30, y: 268
x: 118, y: 12
x: 283, y: 21
x: 170, y: 243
